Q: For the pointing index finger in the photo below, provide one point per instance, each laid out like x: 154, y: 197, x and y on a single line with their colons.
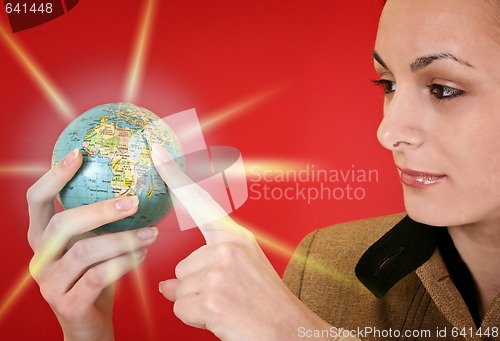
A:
x: 211, y: 218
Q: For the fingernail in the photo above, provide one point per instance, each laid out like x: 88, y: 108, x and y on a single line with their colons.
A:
x: 127, y: 203
x: 71, y: 157
x: 147, y: 233
x: 161, y: 153
x: 159, y: 286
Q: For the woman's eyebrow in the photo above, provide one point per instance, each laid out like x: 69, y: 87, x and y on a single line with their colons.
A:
x: 421, y: 62
x: 379, y: 60
x: 424, y: 61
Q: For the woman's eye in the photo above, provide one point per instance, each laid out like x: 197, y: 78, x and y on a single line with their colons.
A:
x: 444, y: 92
x: 387, y: 85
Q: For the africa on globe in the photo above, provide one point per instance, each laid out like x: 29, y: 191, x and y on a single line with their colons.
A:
x: 115, y: 140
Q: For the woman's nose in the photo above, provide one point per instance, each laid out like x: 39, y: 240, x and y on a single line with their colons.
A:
x: 403, y: 124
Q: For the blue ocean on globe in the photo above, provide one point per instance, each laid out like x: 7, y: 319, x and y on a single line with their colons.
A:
x: 115, y: 140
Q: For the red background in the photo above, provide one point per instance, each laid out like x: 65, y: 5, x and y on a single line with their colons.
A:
x: 206, y: 55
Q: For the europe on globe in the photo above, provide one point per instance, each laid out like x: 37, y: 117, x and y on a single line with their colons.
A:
x: 115, y: 140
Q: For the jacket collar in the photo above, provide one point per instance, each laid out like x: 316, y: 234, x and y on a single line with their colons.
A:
x: 396, y: 254
x: 438, y: 282
x: 411, y: 246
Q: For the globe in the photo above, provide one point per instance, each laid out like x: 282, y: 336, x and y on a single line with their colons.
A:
x: 115, y: 140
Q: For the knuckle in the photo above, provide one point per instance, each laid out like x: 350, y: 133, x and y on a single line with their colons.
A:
x: 130, y: 263
x: 55, y: 222
x: 94, y: 278
x: 106, y: 209
x: 79, y: 251
x: 49, y: 295
x: 228, y: 251
x: 180, y: 311
x: 215, y: 278
x: 179, y: 272
x: 129, y: 240
x: 211, y: 304
x: 34, y: 195
x: 33, y: 268
x: 31, y: 194
x: 32, y: 240
x: 58, y: 225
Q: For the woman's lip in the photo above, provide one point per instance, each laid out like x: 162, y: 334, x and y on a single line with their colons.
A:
x: 419, y: 179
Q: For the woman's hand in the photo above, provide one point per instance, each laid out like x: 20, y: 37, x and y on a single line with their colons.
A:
x: 228, y: 286
x: 75, y: 269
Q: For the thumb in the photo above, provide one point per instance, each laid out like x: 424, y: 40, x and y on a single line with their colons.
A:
x: 168, y: 289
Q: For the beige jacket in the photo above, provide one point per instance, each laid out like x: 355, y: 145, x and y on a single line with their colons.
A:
x: 424, y: 305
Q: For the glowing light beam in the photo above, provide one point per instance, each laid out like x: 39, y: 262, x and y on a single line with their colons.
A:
x: 141, y: 44
x: 35, y: 267
x: 283, y: 249
x: 231, y: 111
x: 14, y: 294
x: 143, y: 293
x: 261, y: 167
x: 63, y: 107
x: 23, y: 169
x: 273, y: 244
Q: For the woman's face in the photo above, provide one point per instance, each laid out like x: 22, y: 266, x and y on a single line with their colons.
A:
x: 439, y: 64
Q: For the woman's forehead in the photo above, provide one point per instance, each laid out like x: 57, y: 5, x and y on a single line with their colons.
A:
x: 476, y: 14
x: 425, y: 26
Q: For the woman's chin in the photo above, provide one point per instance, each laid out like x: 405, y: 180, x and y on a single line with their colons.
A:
x: 429, y: 214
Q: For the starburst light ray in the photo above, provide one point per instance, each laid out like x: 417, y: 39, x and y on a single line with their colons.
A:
x: 34, y: 268
x: 260, y: 167
x: 136, y: 67
x: 143, y: 295
x: 51, y: 92
x: 230, y: 112
x: 23, y: 169
x: 193, y: 130
x: 273, y: 244
x: 270, y: 242
x: 14, y: 293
